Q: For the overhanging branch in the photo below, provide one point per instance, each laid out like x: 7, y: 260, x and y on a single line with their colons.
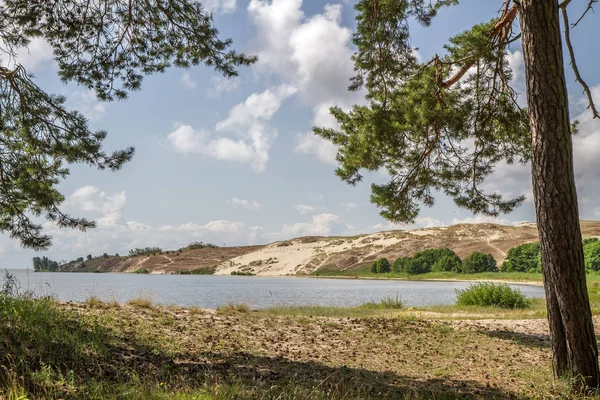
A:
x: 584, y: 85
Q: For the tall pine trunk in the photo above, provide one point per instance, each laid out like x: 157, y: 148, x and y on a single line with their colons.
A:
x: 574, y: 347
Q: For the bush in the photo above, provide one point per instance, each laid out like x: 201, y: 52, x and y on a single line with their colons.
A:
x: 238, y: 273
x: 489, y: 294
x: 591, y: 254
x: 145, y: 251
x: 400, y: 264
x: 448, y: 263
x: 381, y: 266
x: 479, y: 262
x: 199, y: 245
x: 375, y: 267
x: 384, y: 266
x: 414, y: 268
x: 141, y: 271
x: 523, y: 258
x: 426, y: 260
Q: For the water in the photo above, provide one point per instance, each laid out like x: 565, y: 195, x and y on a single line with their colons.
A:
x: 208, y: 291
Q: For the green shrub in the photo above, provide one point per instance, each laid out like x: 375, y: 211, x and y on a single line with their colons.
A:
x: 141, y: 271
x: 591, y: 253
x: 199, y: 245
x: 589, y: 240
x: 401, y: 263
x: 414, y: 268
x: 479, y: 262
x: 425, y: 261
x: 523, y: 258
x: 375, y: 267
x: 384, y: 266
x: 489, y: 294
x: 448, y: 262
x: 145, y: 251
x: 241, y: 273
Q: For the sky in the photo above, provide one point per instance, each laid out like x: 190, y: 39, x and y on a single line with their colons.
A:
x: 234, y: 161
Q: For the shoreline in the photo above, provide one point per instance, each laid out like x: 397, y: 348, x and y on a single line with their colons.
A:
x: 458, y: 279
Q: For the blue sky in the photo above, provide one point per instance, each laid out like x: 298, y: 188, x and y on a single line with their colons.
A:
x: 234, y: 162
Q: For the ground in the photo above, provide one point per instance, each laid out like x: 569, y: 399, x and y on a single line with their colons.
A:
x: 139, y: 350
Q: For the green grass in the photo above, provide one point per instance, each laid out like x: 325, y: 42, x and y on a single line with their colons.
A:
x: 385, y: 307
x: 364, y: 272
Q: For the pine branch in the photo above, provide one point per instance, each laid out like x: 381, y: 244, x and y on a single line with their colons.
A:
x: 584, y: 85
x: 506, y: 20
x: 589, y: 7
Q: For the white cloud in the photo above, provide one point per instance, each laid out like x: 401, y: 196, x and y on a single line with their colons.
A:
x: 420, y: 222
x: 110, y: 220
x: 114, y: 235
x: 483, y: 219
x: 186, y: 140
x: 349, y: 205
x: 36, y: 54
x: 516, y: 64
x: 187, y: 80
x: 86, y: 102
x: 257, y: 107
x: 91, y: 199
x: 220, y: 6
x: 313, y: 54
x: 320, y: 225
x: 245, y: 204
x: 248, y: 121
x: 224, y: 226
x: 220, y: 84
x: 308, y: 143
x: 305, y: 209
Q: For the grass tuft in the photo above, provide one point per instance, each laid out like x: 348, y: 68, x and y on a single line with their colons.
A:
x: 387, y: 303
x: 232, y: 308
x: 141, y: 301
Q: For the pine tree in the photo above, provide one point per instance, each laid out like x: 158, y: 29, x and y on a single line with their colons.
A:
x: 105, y: 46
x: 443, y: 125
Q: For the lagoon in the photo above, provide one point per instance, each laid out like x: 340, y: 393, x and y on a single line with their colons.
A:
x: 208, y: 291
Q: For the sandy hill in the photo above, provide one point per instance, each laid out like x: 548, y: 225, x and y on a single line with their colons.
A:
x: 306, y: 255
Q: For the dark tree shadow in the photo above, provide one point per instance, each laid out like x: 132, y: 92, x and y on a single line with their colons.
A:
x: 531, y: 340
x: 90, y: 352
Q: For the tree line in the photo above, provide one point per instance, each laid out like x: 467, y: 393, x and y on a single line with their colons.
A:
x: 522, y: 258
x: 436, y: 260
x: 45, y: 264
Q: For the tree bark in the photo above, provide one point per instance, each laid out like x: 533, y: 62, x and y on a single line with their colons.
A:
x: 574, y: 346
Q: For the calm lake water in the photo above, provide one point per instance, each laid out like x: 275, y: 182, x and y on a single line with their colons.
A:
x: 212, y: 291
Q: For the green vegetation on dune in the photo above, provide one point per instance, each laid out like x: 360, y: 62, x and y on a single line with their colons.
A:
x: 364, y: 272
